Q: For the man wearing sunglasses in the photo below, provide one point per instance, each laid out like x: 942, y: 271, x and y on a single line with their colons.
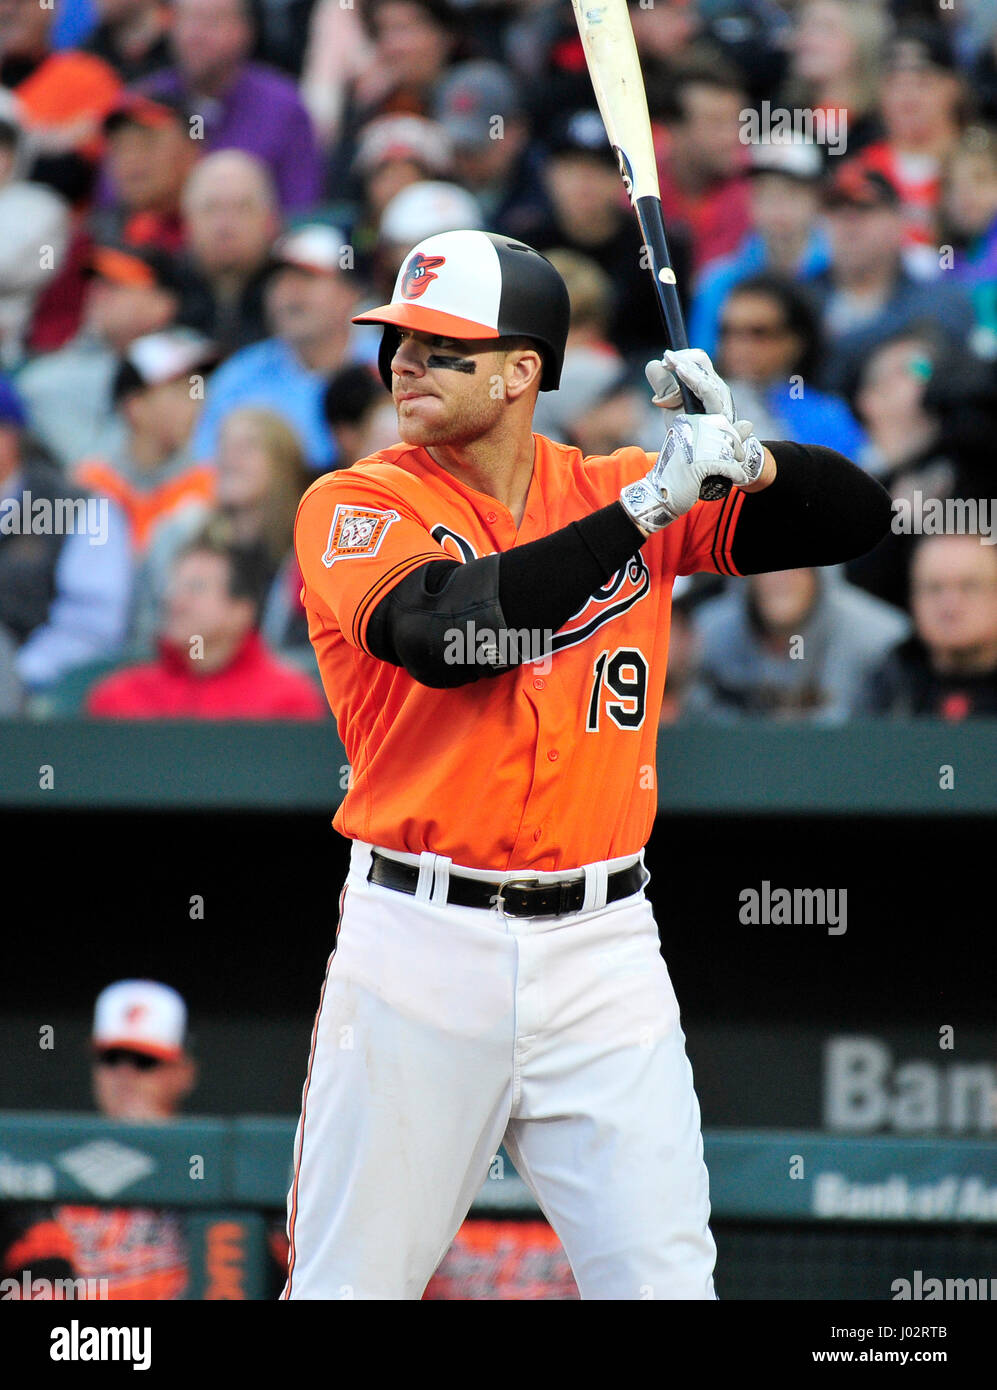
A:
x: 141, y: 1071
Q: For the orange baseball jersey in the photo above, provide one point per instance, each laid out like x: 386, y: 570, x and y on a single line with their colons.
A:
x: 141, y: 1252
x: 546, y: 766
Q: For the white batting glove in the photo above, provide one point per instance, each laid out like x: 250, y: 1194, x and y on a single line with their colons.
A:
x: 696, y: 447
x: 694, y: 369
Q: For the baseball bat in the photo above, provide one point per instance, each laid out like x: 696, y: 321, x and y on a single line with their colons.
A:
x: 614, y: 67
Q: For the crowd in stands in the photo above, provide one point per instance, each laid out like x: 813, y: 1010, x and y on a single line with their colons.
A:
x: 197, y: 195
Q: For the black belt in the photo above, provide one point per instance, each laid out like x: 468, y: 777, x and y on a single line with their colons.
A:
x: 515, y: 897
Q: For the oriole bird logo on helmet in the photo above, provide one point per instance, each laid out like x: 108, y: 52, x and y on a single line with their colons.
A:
x: 419, y: 274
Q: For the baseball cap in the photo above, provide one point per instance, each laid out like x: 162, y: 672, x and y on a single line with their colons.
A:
x: 135, y: 108
x: 794, y: 159
x: 141, y: 266
x: 12, y: 410
x: 474, y: 284
x: 470, y: 96
x: 917, y: 48
x: 857, y: 187
x: 581, y: 132
x: 142, y: 1016
x: 403, y: 137
x: 316, y: 246
x: 426, y: 208
x: 156, y: 358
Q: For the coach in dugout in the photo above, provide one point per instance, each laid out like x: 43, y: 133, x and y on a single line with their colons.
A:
x: 141, y: 1071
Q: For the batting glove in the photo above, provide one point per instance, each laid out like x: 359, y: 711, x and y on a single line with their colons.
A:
x: 694, y: 369
x: 696, y: 447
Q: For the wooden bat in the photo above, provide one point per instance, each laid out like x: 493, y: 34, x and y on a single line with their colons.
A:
x: 611, y: 56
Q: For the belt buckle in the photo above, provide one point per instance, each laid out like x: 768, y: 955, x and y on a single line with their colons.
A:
x: 511, y: 883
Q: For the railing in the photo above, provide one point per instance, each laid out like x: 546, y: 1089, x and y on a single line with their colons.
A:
x: 868, y: 768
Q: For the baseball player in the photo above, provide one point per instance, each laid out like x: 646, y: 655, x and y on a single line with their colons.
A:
x: 490, y: 614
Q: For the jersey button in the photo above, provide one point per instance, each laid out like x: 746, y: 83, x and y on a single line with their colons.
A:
x: 537, y: 834
x: 491, y: 516
x: 553, y: 755
x: 539, y: 684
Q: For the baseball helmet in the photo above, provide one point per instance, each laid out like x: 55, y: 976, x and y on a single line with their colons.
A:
x: 477, y: 285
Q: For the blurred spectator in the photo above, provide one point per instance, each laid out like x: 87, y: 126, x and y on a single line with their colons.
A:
x: 590, y: 292
x: 34, y: 236
x: 588, y: 213
x: 141, y: 1073
x: 787, y: 235
x: 260, y: 478
x: 770, y: 352
x: 752, y: 35
x: 890, y: 403
x: 931, y: 413
x: 63, y: 97
x: 664, y: 31
x: 412, y: 43
x: 597, y: 407
x: 131, y: 36
x: 683, y: 696
x: 948, y: 668
x: 309, y: 298
x: 244, y: 105
x: 796, y: 644
x: 157, y: 391
x: 150, y: 153
x: 480, y: 107
x: 360, y: 414
x: 835, y: 49
x: 11, y: 690
x: 923, y: 105
x: 213, y: 663
x: 231, y: 216
x: 393, y: 153
x: 866, y: 295
x: 65, y: 567
x: 338, y: 51
x: 969, y: 225
x: 421, y: 210
x: 132, y: 291
x: 702, y: 172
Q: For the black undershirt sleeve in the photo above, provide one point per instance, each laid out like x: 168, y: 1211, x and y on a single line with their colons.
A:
x: 820, y: 510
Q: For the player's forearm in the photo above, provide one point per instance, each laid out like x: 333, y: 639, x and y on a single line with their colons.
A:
x: 533, y: 588
x: 818, y: 509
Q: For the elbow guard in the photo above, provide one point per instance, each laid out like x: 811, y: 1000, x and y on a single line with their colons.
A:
x: 443, y: 623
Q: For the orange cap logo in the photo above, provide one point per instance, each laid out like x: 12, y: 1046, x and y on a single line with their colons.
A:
x: 419, y: 275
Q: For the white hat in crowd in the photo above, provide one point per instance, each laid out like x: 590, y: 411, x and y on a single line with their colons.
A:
x: 427, y: 208
x: 142, y: 1016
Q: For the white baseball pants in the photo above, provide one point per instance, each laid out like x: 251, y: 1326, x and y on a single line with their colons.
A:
x: 443, y: 1032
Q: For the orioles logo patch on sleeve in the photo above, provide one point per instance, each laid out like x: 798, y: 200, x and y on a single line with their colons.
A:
x: 356, y: 531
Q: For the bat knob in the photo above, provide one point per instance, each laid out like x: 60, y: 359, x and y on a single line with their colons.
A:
x: 713, y: 489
